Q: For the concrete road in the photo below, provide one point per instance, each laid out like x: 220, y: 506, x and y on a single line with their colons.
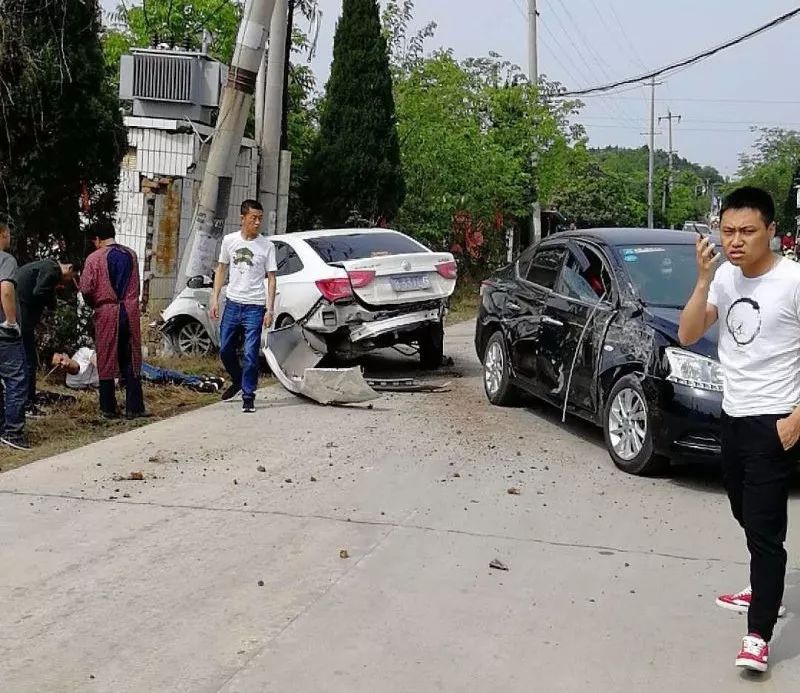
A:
x: 213, y: 576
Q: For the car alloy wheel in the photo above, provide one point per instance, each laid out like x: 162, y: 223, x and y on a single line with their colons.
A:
x: 193, y: 339
x: 493, y: 367
x: 627, y: 429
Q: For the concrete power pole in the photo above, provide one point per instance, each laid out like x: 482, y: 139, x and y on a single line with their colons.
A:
x: 208, y: 223
x: 270, y: 142
x: 533, y: 77
x: 669, y: 117
x: 651, y: 161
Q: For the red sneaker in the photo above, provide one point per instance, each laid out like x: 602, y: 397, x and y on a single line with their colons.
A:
x: 740, y: 602
x: 754, y: 653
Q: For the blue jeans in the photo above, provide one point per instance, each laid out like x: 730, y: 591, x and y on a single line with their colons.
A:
x: 238, y: 319
x: 15, y: 385
x: 154, y: 374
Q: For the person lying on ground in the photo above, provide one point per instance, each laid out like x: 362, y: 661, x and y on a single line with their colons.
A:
x: 81, y: 373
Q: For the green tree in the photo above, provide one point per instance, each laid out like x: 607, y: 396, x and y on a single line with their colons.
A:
x: 354, y: 170
x: 773, y: 165
x: 62, y: 136
x: 470, y: 133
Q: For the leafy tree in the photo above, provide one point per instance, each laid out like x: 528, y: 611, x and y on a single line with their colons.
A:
x: 773, y: 165
x: 470, y: 133
x: 354, y: 167
x: 593, y: 197
x: 62, y: 136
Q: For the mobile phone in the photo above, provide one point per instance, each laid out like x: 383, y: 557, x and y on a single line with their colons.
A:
x: 706, y: 235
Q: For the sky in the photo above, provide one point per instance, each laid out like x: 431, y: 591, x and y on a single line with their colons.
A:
x: 584, y: 43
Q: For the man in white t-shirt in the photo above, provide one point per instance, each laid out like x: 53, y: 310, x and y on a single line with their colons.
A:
x: 250, y: 300
x: 756, y: 298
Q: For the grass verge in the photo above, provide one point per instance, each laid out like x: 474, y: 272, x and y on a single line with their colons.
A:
x: 67, y: 427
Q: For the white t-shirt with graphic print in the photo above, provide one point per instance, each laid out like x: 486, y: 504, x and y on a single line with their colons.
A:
x: 759, y: 338
x: 248, y: 264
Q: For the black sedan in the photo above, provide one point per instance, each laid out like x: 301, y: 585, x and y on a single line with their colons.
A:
x: 588, y: 321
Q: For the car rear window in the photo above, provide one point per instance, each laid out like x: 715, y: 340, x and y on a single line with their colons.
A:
x: 357, y: 246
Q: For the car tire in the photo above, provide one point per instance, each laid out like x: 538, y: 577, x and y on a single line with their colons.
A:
x: 628, y: 431
x: 431, y: 346
x: 497, y: 373
x: 192, y: 339
x: 285, y: 320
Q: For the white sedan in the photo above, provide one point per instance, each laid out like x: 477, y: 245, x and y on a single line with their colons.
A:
x: 359, y: 289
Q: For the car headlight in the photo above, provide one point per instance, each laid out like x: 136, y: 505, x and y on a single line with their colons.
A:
x: 687, y: 368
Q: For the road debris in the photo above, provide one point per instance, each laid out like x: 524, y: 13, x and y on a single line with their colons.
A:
x: 260, y: 583
x: 261, y: 468
x: 514, y: 491
x: 497, y: 564
x: 406, y: 385
x: 343, y: 553
x: 133, y: 476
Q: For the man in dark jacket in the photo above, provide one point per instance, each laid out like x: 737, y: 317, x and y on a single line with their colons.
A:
x: 36, y: 290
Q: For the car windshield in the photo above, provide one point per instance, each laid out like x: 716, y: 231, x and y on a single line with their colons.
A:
x: 664, y: 275
x: 357, y: 246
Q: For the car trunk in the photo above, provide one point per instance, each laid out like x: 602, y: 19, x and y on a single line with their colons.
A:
x: 393, y: 280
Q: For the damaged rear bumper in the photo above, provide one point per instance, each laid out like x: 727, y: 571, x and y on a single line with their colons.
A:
x: 407, y: 322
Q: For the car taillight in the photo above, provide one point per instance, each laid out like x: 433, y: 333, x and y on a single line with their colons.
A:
x: 335, y: 289
x: 361, y: 278
x: 342, y: 287
x: 448, y: 269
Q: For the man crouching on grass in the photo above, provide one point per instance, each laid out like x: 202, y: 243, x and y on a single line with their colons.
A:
x: 756, y: 297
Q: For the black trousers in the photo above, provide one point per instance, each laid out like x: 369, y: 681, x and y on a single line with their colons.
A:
x: 31, y: 364
x: 757, y: 473
x: 134, y: 397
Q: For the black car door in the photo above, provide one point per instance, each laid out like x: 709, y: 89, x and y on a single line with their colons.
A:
x: 569, y: 350
x: 525, y: 306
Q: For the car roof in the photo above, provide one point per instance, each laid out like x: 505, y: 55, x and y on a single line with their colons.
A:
x: 322, y: 233
x: 639, y: 236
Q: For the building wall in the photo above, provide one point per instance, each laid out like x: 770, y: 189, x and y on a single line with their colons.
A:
x: 164, y: 163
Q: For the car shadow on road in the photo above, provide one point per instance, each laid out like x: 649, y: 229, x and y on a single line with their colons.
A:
x: 586, y: 431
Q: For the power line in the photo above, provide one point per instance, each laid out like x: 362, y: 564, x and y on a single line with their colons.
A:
x: 694, y: 99
x: 586, y: 44
x: 577, y: 51
x: 688, y: 61
x: 569, y: 55
x: 632, y: 48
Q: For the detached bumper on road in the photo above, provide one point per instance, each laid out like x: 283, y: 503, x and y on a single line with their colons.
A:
x: 687, y: 419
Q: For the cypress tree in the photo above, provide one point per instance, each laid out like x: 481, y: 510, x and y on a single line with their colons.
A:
x: 353, y: 173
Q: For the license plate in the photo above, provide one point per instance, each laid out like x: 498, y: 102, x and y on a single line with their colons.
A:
x: 411, y: 282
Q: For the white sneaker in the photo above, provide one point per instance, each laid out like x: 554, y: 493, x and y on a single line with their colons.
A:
x: 754, y: 654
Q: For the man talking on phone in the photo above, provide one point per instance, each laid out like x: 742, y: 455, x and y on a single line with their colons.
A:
x: 756, y: 297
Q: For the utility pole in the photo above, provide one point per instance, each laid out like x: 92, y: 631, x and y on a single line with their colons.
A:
x: 270, y: 142
x: 208, y: 223
x: 669, y: 117
x: 533, y: 50
x: 533, y: 78
x: 651, y: 162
